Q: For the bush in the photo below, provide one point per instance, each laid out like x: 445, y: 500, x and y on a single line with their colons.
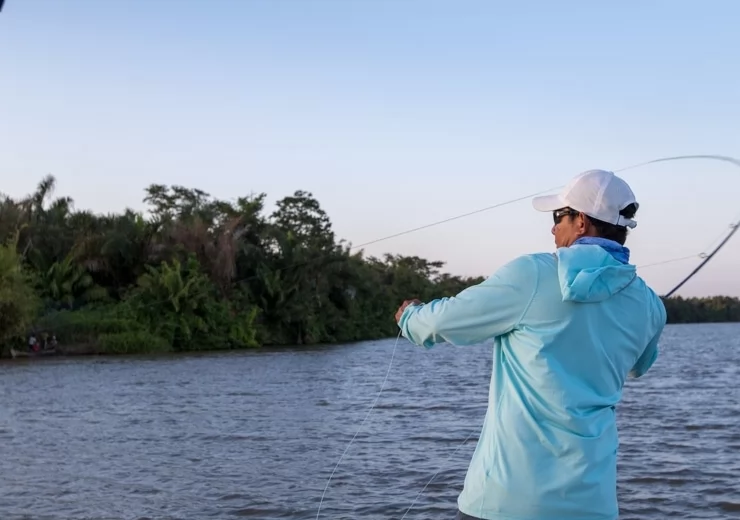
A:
x: 136, y: 342
x: 86, y: 326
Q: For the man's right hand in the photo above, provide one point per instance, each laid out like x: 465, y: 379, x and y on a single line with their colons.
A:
x: 403, y: 306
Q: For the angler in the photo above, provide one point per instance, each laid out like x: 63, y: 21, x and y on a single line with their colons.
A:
x: 568, y: 328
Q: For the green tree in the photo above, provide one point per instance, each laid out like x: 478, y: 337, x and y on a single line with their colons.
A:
x: 18, y: 303
x: 178, y: 302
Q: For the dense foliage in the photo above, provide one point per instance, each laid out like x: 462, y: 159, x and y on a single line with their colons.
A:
x: 196, y: 273
x: 696, y: 310
x: 199, y: 273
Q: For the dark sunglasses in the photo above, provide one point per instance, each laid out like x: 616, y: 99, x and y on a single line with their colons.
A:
x: 558, y: 214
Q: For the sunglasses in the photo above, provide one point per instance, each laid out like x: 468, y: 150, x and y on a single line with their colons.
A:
x: 558, y: 214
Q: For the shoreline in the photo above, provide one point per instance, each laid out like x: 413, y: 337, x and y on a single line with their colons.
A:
x: 89, y: 350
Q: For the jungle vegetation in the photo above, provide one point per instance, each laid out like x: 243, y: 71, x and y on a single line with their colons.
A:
x: 197, y: 273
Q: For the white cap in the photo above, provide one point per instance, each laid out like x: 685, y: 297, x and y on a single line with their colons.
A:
x: 598, y: 193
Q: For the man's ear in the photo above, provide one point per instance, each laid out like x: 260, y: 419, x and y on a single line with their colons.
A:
x: 582, y: 224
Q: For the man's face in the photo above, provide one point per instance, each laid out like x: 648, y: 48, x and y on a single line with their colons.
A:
x: 569, y: 226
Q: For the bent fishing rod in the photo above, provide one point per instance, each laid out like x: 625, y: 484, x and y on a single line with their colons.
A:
x: 733, y: 227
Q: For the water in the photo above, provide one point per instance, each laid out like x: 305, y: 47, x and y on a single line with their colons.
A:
x: 256, y: 435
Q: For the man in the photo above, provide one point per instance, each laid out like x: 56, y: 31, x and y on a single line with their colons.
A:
x: 568, y: 329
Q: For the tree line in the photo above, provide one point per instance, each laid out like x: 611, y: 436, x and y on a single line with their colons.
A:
x: 200, y: 273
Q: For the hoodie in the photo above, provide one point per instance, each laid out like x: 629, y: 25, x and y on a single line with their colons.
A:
x: 568, y: 329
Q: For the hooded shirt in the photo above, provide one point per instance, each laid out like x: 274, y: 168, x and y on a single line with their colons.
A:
x: 568, y: 329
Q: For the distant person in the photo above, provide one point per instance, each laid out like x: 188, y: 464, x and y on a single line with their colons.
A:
x: 568, y: 329
x: 33, y: 344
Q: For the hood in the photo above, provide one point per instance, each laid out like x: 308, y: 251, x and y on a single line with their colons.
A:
x: 590, y: 273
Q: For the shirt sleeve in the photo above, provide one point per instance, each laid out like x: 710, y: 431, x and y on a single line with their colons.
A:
x: 646, y: 360
x: 480, y: 312
x: 650, y: 354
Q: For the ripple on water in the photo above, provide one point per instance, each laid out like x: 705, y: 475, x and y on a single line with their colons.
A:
x: 257, y: 434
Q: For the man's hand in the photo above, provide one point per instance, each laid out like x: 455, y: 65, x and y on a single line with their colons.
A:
x: 403, y: 306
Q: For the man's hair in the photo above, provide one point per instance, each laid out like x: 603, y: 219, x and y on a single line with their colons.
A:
x: 612, y: 231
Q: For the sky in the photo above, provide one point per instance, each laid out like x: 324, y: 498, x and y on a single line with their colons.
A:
x: 393, y: 114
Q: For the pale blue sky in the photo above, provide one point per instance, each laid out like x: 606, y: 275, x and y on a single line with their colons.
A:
x: 393, y: 113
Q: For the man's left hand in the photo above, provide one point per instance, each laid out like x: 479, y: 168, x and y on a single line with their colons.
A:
x: 403, y: 306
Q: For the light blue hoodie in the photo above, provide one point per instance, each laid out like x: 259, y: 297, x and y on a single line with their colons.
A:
x: 568, y: 328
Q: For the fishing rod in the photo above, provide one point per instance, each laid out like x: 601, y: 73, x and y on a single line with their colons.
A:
x: 733, y: 227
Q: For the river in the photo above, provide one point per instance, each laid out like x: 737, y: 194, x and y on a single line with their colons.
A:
x: 256, y: 434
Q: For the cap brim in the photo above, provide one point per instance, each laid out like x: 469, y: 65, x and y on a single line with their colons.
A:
x: 548, y: 203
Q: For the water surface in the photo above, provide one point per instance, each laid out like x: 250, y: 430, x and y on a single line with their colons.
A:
x: 256, y: 435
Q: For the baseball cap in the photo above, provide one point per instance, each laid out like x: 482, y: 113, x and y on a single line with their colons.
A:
x: 598, y: 193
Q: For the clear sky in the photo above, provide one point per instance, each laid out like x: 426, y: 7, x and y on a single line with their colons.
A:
x: 392, y: 113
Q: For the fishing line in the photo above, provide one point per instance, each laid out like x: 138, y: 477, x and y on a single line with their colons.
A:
x: 672, y: 260
x: 450, y: 219
x: 375, y: 241
x: 361, y: 424
x: 731, y: 160
x: 723, y: 158
x: 701, y: 255
x: 437, y: 472
x: 707, y: 257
